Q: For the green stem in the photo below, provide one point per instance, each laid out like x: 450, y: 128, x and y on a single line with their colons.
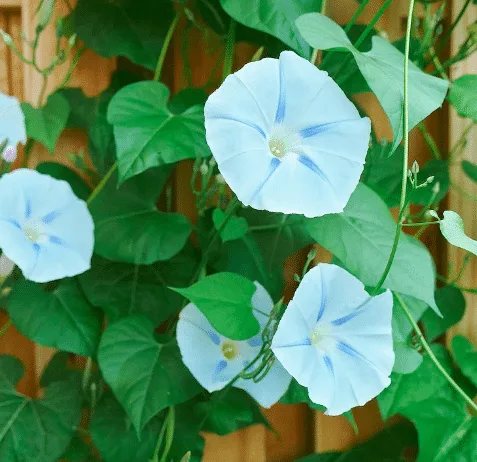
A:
x: 316, y: 55
x: 432, y: 145
x: 373, y: 22
x: 460, y: 142
x: 155, y: 456
x: 402, y: 205
x: 5, y: 327
x: 102, y: 183
x: 234, y: 204
x: 448, y: 34
x: 165, y: 46
x: 431, y: 354
x: 356, y: 15
x: 411, y: 225
x: 229, y: 50
x: 171, y: 420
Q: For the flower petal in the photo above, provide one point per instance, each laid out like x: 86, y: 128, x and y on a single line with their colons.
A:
x: 270, y: 389
x: 199, y: 344
x: 17, y: 247
x: 12, y: 121
x: 263, y: 303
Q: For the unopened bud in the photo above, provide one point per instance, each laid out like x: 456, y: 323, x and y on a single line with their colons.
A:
x: 436, y: 188
x: 430, y: 180
x: 6, y: 266
x: 204, y: 169
x: 219, y: 179
x: 9, y: 154
x: 6, y: 37
x: 384, y: 35
x: 415, y: 168
x: 212, y: 162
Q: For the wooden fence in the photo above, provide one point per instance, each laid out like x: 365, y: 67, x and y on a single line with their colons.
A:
x: 301, y: 430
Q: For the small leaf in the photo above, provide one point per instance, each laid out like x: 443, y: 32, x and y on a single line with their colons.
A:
x: 146, y: 376
x: 383, y: 69
x: 236, y: 227
x: 46, y: 123
x: 148, y: 134
x: 61, y: 319
x: 407, y: 358
x: 470, y: 170
x: 451, y: 303
x: 226, y: 301
x: 452, y: 228
x: 462, y: 96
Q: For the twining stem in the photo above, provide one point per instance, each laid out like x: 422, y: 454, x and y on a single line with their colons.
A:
x: 431, y: 143
x: 170, y: 424
x: 102, y: 183
x: 406, y: 151
x: 5, y: 327
x: 420, y: 224
x: 373, y: 22
x: 229, y: 50
x: 356, y: 15
x: 165, y: 46
x: 431, y: 354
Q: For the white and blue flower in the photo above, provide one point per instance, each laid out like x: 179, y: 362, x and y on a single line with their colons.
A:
x: 336, y: 340
x: 44, y: 228
x: 12, y: 123
x: 286, y: 138
x: 215, y: 360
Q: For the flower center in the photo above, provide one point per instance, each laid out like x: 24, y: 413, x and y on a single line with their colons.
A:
x: 320, y: 335
x: 277, y: 147
x: 230, y: 350
x: 33, y: 231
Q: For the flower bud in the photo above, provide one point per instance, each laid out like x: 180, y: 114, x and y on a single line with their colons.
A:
x: 219, y: 179
x: 415, y: 168
x: 204, y: 169
x: 9, y: 154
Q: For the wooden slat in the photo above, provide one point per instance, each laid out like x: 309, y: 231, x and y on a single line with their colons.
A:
x: 463, y: 206
x: 10, y: 4
x: 4, y: 61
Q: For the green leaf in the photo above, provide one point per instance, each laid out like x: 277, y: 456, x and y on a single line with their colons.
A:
x: 124, y: 28
x: 61, y: 319
x: 407, y: 358
x: 470, y: 170
x: 114, y: 435
x: 128, y: 226
x: 462, y: 96
x: 407, y: 390
x: 78, y: 451
x: 390, y: 445
x: 234, y: 411
x: 452, y: 228
x: 61, y: 172
x: 296, y: 393
x: 460, y: 444
x: 466, y: 357
x: 451, y: 303
x: 236, y: 227
x: 362, y: 237
x: 146, y: 376
x: 122, y: 289
x: 46, y: 123
x: 35, y: 430
x: 383, y: 69
x: 148, y: 134
x: 225, y: 299
x: 275, y: 17
x: 58, y: 369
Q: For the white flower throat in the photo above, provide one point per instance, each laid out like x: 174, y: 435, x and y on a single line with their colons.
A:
x: 283, y: 140
x: 34, y: 231
x: 230, y: 350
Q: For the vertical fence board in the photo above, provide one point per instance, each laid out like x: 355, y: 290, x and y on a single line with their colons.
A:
x: 464, y: 206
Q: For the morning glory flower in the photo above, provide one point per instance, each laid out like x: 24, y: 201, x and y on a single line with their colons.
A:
x: 44, y: 228
x: 336, y: 340
x: 286, y: 138
x: 215, y: 360
x: 12, y: 123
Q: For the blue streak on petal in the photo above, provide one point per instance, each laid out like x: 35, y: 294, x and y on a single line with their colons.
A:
x: 245, y: 363
x: 50, y: 217
x: 56, y: 240
x: 345, y: 319
x: 14, y: 223
x: 303, y: 342
x: 323, y: 300
x: 244, y: 122
x: 214, y: 337
x: 36, y: 247
x: 221, y: 365
x: 317, y: 129
x: 255, y: 341
x: 275, y: 162
x: 308, y: 163
x: 349, y: 350
x: 329, y: 364
x: 280, y: 115
x: 28, y: 209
